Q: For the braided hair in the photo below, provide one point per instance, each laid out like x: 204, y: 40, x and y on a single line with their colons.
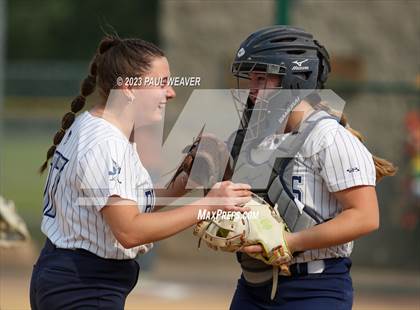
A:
x: 115, y: 57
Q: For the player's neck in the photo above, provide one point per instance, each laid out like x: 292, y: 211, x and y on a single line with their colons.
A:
x: 298, y: 114
x: 118, y: 120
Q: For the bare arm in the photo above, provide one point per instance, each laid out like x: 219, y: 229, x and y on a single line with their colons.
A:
x: 132, y: 228
x: 359, y: 217
x: 166, y: 195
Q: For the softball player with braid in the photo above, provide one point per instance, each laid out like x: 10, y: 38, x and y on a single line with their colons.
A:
x: 332, y: 175
x: 98, y: 196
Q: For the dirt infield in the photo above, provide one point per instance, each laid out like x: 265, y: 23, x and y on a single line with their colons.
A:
x: 194, y: 283
x: 181, y: 286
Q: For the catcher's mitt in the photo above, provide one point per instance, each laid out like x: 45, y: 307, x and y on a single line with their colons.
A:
x: 12, y: 228
x: 207, y: 162
x: 262, y: 225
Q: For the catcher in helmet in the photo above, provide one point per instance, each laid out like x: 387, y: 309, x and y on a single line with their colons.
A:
x: 323, y: 187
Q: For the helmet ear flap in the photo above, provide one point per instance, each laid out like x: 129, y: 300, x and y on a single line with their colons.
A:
x: 324, y: 65
x: 323, y: 72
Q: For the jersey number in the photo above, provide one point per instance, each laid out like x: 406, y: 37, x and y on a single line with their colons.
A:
x: 57, y: 165
x: 150, y: 200
x: 296, y: 181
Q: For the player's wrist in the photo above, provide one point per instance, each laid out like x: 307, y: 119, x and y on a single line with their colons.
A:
x: 291, y: 240
x: 201, y: 208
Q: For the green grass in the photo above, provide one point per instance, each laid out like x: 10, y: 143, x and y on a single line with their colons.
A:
x: 36, y: 107
x: 21, y: 155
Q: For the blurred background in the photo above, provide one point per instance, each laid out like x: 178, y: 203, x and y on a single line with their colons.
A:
x: 45, y: 48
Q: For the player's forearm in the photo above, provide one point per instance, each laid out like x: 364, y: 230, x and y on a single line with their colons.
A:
x: 151, y: 227
x: 347, y: 226
x: 165, y: 197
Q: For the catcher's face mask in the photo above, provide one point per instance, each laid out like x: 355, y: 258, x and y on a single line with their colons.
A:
x: 265, y: 108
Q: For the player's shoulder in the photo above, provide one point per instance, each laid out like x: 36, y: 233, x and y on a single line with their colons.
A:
x: 323, y: 128
x: 326, y: 131
x: 325, y: 124
x: 97, y: 134
x: 98, y: 127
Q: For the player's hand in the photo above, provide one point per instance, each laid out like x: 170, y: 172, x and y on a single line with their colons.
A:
x: 229, y: 196
x: 252, y: 249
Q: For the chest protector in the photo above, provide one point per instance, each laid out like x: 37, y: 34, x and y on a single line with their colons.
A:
x: 272, y: 172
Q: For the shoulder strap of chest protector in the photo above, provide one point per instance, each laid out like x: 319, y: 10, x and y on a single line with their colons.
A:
x: 296, y: 215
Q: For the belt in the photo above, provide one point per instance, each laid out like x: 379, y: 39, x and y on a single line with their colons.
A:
x: 49, y: 246
x: 313, y: 267
x: 297, y: 269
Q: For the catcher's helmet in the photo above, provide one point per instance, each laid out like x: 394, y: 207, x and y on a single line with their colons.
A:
x: 301, y: 63
x: 287, y: 51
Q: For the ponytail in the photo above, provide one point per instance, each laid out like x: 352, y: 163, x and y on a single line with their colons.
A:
x: 114, y: 57
x: 383, y: 167
x: 86, y: 88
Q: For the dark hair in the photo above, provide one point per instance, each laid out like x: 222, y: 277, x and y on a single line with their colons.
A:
x: 115, y: 57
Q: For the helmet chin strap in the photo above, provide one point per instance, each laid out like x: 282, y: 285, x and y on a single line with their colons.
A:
x: 279, y: 108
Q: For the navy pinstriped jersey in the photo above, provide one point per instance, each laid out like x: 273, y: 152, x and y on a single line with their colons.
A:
x: 331, y: 159
x: 93, y: 162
